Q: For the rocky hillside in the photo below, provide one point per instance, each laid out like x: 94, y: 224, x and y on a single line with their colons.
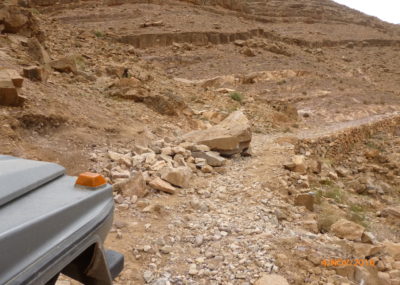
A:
x: 248, y: 142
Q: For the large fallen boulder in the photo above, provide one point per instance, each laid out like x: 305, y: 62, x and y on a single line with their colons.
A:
x: 231, y: 136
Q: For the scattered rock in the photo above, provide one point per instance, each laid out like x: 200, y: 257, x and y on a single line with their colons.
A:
x: 118, y: 174
x: 66, y: 64
x: 199, y: 240
x: 391, y: 211
x: 118, y: 199
x: 368, y: 237
x: 393, y: 249
x: 213, y: 158
x: 166, y: 249
x: 310, y: 225
x: 141, y: 149
x: 148, y: 276
x: 240, y: 43
x: 167, y: 103
x: 115, y: 156
x: 9, y: 94
x: 333, y: 175
x: 135, y: 185
x: 35, y: 73
x: 371, y: 153
x: 248, y: 52
x: 179, y: 176
x: 271, y: 279
x: 130, y: 82
x: 232, y: 135
x: 213, y: 116
x: 152, y: 24
x: 193, y: 269
x: 200, y: 147
x: 225, y: 90
x: 17, y: 20
x: 161, y: 185
x: 207, y: 169
x: 384, y: 278
x: 347, y: 230
x: 297, y: 164
x: 342, y: 171
x: 364, y: 250
x: 157, y: 208
x: 306, y: 200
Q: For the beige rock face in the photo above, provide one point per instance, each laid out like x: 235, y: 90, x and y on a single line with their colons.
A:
x: 161, y: 185
x: 347, y: 230
x: 179, y: 176
x: 272, y: 279
x: 232, y: 135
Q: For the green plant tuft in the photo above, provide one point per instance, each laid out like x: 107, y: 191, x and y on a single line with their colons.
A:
x: 236, y: 96
x: 98, y: 34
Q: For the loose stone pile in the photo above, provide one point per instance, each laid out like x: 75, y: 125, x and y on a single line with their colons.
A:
x: 169, y: 166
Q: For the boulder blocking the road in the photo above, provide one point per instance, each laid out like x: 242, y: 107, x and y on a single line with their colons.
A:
x: 231, y: 136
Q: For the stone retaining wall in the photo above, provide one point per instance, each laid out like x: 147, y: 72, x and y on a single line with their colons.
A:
x: 339, y: 144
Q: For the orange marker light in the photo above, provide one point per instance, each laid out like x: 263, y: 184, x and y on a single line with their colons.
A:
x: 91, y: 180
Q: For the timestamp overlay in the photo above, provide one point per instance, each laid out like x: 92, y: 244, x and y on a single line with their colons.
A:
x: 336, y: 262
